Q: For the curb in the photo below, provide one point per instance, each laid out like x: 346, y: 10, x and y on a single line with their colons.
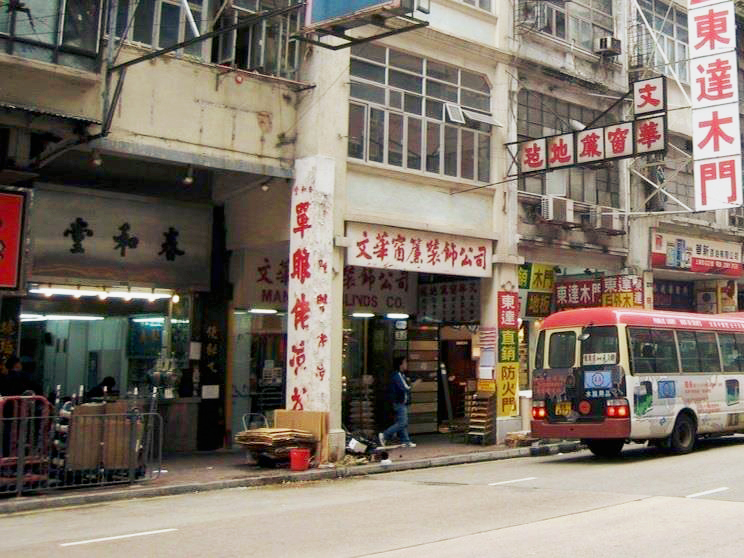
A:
x: 36, y: 503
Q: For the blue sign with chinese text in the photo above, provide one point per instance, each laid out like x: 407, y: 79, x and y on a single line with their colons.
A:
x: 326, y: 10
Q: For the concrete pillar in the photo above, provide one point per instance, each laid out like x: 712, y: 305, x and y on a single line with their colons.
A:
x: 321, y: 131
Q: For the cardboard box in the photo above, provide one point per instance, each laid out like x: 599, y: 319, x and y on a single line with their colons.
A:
x: 315, y: 422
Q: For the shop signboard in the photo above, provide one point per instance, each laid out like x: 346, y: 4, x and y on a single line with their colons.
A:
x: 715, y: 104
x: 684, y: 253
x: 507, y: 372
x: 109, y: 238
x: 309, y: 286
x: 13, y: 202
x: 623, y: 291
x: 536, y: 282
x: 266, y: 278
x: 451, y: 301
x: 422, y: 251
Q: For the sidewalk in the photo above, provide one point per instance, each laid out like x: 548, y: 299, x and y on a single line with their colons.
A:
x: 186, y: 473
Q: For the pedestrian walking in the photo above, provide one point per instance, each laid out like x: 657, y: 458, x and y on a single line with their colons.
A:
x: 400, y: 397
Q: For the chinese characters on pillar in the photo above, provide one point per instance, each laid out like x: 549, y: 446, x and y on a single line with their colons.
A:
x: 507, y: 373
x: 714, y: 94
x: 309, y: 286
x: 409, y: 250
x: 646, y: 134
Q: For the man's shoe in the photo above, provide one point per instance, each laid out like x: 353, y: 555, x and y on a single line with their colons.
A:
x: 409, y: 445
x: 381, y: 437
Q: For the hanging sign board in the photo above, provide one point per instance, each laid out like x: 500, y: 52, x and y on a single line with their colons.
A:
x: 714, y: 94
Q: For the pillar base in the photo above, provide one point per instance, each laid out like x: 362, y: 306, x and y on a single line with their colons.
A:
x: 336, y: 445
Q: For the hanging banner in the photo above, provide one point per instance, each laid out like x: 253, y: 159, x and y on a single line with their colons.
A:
x: 309, y: 305
x: 536, y: 282
x: 507, y: 371
x: 714, y: 94
x: 673, y: 251
x: 423, y: 251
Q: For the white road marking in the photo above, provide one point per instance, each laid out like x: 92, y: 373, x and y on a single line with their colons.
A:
x: 142, y: 534
x: 511, y: 481
x: 707, y: 492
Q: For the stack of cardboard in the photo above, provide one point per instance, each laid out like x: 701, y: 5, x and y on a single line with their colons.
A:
x: 315, y: 422
x: 275, y: 443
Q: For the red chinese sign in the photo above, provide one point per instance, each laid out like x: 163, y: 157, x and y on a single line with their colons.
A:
x: 714, y: 94
x: 508, y: 310
x: 561, y: 151
x: 649, y: 95
x: 403, y: 249
x: 12, y: 207
x: 308, y: 282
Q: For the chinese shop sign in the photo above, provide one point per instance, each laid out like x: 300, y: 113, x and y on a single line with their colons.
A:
x: 453, y: 301
x: 106, y: 237
x: 672, y: 251
x: 536, y: 283
x: 264, y: 283
x: 12, y: 213
x: 714, y: 94
x: 623, y: 291
x: 409, y: 250
x: 507, y: 372
x: 646, y: 134
x: 309, y: 286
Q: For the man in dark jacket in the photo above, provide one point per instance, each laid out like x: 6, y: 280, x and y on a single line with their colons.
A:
x: 400, y: 396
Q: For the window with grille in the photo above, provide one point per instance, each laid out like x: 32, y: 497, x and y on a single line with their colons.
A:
x: 55, y: 31
x: 579, y: 22
x: 411, y: 112
x: 670, y: 24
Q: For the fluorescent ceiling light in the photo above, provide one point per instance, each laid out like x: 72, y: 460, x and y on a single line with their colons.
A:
x: 394, y: 316
x: 262, y: 311
x: 73, y: 317
x: 362, y: 315
x: 127, y: 294
x: 158, y: 320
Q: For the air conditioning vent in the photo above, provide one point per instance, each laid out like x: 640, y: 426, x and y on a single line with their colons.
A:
x: 557, y: 210
x: 607, y: 46
x: 607, y: 220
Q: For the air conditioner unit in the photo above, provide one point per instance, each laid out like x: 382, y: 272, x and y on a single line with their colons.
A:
x: 607, y: 46
x: 607, y: 220
x: 558, y: 210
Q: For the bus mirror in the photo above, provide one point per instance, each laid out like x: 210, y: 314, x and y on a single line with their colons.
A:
x: 584, y: 336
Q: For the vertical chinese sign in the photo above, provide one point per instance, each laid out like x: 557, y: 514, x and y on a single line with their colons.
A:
x: 310, y: 273
x: 508, y: 367
x: 715, y: 104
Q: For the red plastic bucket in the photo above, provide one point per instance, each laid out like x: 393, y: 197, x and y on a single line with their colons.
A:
x: 299, y: 459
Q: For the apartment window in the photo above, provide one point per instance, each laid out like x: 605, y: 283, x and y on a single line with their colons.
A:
x: 56, y: 31
x: 670, y: 23
x: 267, y: 46
x: 540, y: 115
x: 161, y: 23
x: 410, y: 112
x: 482, y: 4
x: 580, y: 22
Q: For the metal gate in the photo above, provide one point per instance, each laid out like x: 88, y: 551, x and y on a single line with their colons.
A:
x: 78, y: 445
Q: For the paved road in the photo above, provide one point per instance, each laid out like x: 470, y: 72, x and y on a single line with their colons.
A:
x: 644, y: 504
